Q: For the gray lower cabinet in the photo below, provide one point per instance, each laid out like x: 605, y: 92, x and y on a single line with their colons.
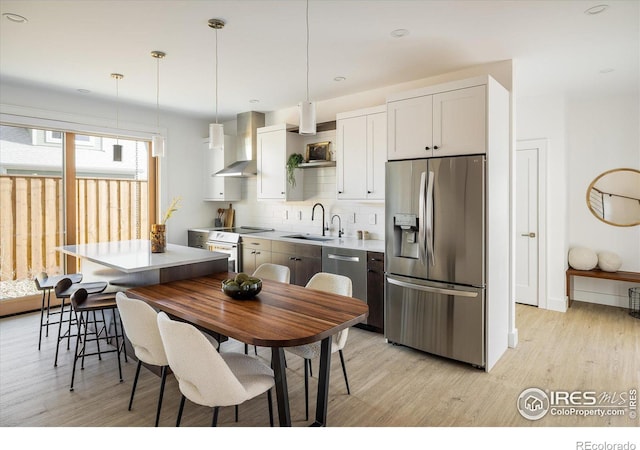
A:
x: 255, y: 251
x: 304, y: 260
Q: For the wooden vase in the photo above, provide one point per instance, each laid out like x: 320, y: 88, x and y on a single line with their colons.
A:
x: 158, y: 238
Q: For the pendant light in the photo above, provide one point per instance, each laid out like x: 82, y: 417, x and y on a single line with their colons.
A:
x: 216, y: 130
x: 117, y: 148
x: 307, y: 108
x: 157, y: 141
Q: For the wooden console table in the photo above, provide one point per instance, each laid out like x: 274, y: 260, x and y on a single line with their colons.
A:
x: 633, y: 277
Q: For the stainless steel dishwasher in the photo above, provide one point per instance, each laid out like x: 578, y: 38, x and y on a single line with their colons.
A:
x: 350, y: 263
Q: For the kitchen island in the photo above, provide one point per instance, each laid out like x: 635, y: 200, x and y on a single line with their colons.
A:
x: 126, y: 264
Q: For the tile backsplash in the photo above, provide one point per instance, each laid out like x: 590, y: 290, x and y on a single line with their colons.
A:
x: 319, y: 186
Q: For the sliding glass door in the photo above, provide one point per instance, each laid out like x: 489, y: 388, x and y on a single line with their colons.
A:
x: 59, y: 188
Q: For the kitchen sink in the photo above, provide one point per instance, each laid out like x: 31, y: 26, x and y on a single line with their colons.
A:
x: 308, y: 237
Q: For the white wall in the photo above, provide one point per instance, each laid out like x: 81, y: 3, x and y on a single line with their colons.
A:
x: 585, y: 137
x: 602, y: 134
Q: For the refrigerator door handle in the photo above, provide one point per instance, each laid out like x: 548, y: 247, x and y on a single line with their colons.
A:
x: 429, y: 230
x: 436, y: 290
x: 421, y: 218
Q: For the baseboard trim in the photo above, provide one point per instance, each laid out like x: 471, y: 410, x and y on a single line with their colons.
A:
x: 513, y: 338
x: 557, y: 304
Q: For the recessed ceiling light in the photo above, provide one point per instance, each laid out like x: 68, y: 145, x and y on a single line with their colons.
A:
x: 607, y: 70
x: 17, y: 18
x: 400, y: 32
x: 596, y: 9
x: 83, y: 91
x: 339, y: 78
x: 254, y: 100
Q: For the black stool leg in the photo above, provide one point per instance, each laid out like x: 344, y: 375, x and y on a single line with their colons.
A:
x: 135, y: 383
x: 41, y: 321
x: 55, y: 362
x: 75, y: 358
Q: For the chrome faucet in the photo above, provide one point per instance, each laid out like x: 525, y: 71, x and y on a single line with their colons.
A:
x: 313, y: 210
x: 339, y: 224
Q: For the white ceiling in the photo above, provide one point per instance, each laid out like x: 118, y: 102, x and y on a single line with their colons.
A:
x: 70, y: 45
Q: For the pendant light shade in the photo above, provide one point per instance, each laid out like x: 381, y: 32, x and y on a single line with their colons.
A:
x: 216, y: 136
x: 216, y: 130
x: 117, y: 148
x: 157, y: 141
x: 307, y: 109
x: 157, y: 145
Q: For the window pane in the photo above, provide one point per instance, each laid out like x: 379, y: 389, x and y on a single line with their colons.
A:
x: 31, y: 215
x: 112, y: 194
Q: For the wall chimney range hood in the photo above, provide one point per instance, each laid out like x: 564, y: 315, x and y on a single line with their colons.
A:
x: 247, y: 142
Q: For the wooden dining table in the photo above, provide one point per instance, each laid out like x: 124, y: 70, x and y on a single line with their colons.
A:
x: 281, y: 315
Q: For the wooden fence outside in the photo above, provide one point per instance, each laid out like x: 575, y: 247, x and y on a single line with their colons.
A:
x: 32, y: 219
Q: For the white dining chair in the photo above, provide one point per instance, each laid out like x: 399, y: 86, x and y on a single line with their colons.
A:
x: 141, y: 328
x: 209, y: 378
x: 336, y: 284
x: 273, y: 272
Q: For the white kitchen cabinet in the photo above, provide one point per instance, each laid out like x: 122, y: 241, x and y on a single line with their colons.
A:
x: 275, y: 144
x: 220, y: 188
x: 361, y: 152
x: 447, y: 123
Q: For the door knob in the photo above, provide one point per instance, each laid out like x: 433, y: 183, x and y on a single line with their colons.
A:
x: 531, y: 235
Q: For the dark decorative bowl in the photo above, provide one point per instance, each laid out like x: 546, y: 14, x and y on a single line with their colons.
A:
x: 246, y: 290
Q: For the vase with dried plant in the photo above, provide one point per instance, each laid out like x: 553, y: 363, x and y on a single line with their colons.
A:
x: 158, y: 233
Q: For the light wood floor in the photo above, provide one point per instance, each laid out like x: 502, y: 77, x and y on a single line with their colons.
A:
x: 591, y: 347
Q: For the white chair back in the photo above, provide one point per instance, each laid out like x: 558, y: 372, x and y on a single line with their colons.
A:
x: 336, y: 284
x: 141, y: 327
x: 203, y: 375
x: 274, y: 272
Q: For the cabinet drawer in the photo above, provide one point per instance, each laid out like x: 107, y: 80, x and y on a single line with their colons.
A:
x: 252, y: 242
x: 283, y: 247
x: 375, y: 261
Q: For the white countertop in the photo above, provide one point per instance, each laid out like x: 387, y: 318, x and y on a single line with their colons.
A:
x: 135, y: 256
x: 371, y: 245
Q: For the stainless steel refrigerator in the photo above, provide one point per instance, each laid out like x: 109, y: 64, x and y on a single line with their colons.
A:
x: 435, y: 256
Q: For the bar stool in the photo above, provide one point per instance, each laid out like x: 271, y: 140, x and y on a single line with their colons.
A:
x: 84, y: 306
x: 63, y: 290
x: 46, y: 284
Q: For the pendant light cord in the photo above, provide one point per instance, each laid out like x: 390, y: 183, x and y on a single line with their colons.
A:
x: 117, y: 110
x: 216, y: 75
x: 307, y: 50
x: 158, y: 92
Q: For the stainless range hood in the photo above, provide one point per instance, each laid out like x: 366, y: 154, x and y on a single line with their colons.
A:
x: 247, y: 141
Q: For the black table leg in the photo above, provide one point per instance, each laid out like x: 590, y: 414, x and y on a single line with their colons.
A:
x: 282, y: 394
x: 323, y: 383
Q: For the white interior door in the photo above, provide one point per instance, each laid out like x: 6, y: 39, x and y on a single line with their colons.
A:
x: 527, y: 226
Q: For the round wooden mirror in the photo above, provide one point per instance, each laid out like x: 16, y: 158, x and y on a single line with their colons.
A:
x: 614, y: 197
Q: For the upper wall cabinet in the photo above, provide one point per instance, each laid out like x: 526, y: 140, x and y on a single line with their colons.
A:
x: 220, y: 188
x: 361, y: 151
x: 275, y: 144
x: 430, y: 123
